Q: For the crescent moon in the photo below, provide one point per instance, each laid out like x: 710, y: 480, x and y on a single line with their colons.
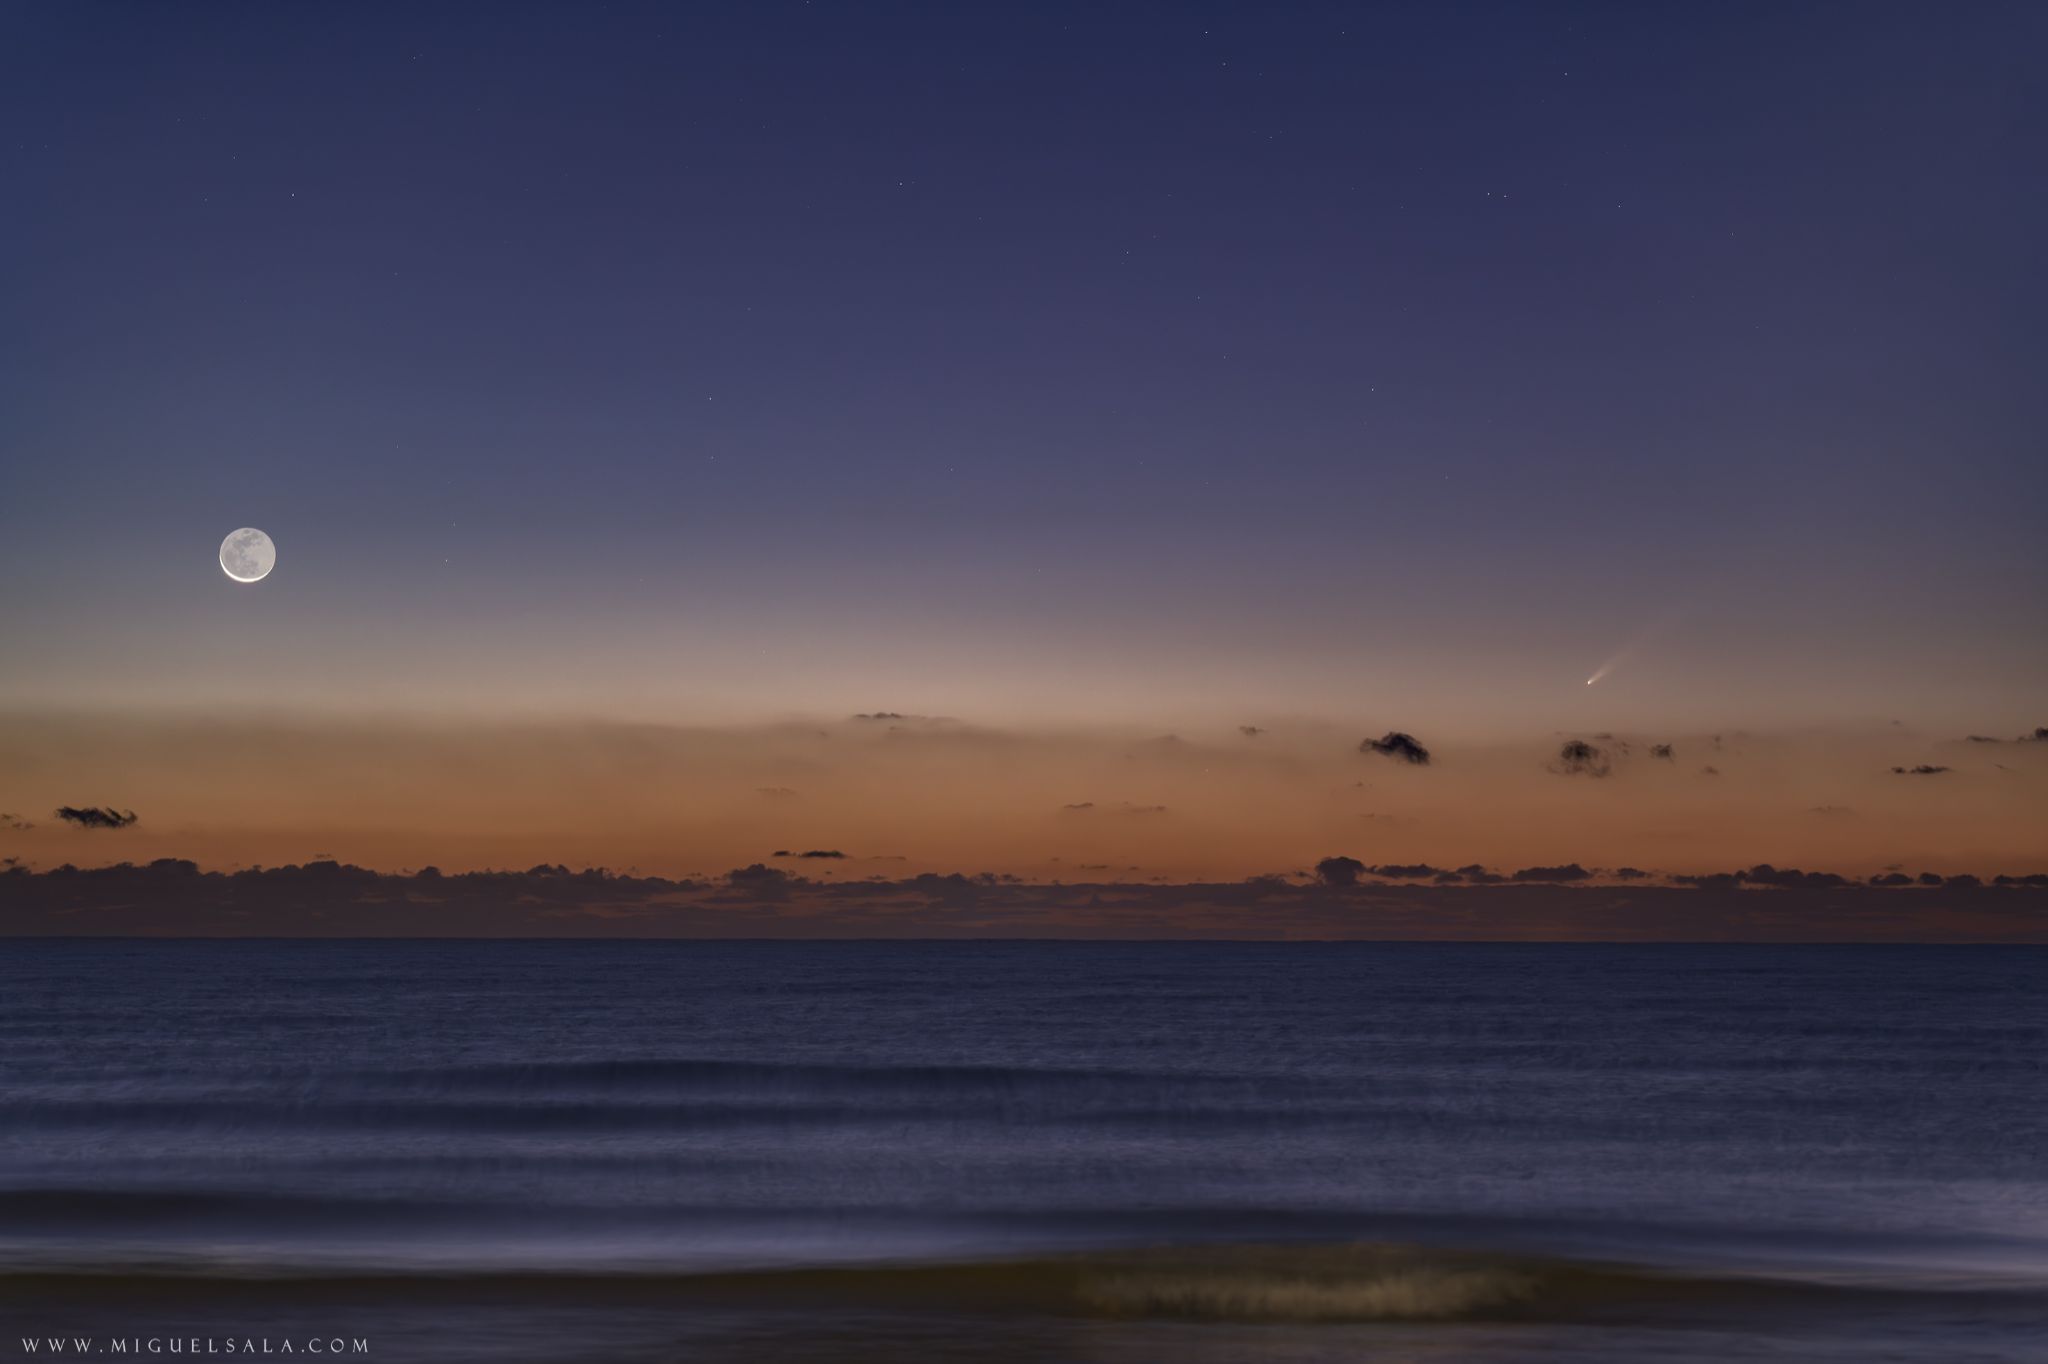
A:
x: 248, y: 555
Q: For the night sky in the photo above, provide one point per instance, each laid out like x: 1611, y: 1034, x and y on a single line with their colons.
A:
x: 1043, y: 367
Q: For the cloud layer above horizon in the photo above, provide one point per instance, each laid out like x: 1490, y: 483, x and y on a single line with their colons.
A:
x: 175, y: 898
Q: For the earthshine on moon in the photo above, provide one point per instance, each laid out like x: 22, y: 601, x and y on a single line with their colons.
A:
x: 247, y: 556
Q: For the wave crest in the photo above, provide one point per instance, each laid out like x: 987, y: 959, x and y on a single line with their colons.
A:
x: 1302, y: 1287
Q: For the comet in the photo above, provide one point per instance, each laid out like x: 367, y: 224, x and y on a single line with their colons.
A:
x: 1627, y: 651
x: 1620, y: 656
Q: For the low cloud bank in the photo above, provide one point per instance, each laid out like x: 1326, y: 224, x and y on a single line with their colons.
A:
x: 1338, y: 900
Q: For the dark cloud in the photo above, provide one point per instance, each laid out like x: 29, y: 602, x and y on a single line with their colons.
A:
x: 952, y: 890
x: 104, y: 817
x: 1405, y: 871
x: 1250, y: 731
x: 1578, y: 758
x: 882, y: 715
x: 1789, y: 878
x: 1892, y: 878
x: 1394, y: 744
x: 758, y: 881
x: 1570, y: 871
x: 1123, y: 808
x: 1922, y: 770
x: 15, y: 822
x: 1764, y: 874
x: 1631, y: 874
x: 1339, y: 871
x: 1663, y: 751
x: 754, y: 874
x: 814, y: 853
x: 2039, y: 736
x: 1480, y: 876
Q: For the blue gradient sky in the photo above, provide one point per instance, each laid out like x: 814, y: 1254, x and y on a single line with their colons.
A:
x: 1099, y: 363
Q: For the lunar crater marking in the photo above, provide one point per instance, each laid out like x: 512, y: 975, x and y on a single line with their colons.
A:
x: 248, y: 555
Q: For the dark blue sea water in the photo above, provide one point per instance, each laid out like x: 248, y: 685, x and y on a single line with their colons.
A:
x: 1116, y: 1152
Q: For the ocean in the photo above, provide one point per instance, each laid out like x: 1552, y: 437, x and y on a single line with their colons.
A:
x: 558, y: 1151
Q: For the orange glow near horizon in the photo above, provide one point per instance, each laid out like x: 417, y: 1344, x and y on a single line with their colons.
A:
x: 899, y: 795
